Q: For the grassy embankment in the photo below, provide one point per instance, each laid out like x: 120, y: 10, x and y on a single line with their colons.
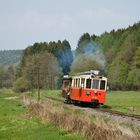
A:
x: 15, y: 125
x: 89, y: 125
x: 31, y: 121
x: 123, y: 101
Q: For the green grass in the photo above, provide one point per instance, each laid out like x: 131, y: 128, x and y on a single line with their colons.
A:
x: 123, y: 101
x: 52, y: 93
x: 14, y: 125
x: 48, y: 93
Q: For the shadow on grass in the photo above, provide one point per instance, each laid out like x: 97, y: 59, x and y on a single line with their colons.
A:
x: 106, y: 106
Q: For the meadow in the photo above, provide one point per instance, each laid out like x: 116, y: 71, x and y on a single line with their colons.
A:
x: 15, y: 125
x: 54, y: 120
x: 122, y: 101
x: 89, y: 125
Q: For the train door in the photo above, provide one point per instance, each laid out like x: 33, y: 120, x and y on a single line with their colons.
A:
x: 99, y: 86
x: 82, y: 85
x: 66, y: 86
x: 102, y: 91
x: 75, y: 88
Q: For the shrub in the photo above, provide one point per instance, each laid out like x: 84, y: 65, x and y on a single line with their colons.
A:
x: 21, y: 85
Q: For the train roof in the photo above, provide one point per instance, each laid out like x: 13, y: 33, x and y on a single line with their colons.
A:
x: 67, y: 77
x: 90, y: 76
x: 87, y: 74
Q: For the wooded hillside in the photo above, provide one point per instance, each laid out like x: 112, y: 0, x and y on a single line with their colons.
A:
x: 10, y: 56
x: 43, y: 65
x: 61, y: 50
x: 115, y: 53
x: 121, y: 50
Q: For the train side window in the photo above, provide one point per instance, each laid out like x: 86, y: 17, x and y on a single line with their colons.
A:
x: 75, y: 82
x: 82, y: 82
x: 78, y: 82
x: 95, y: 84
x: 88, y: 83
x: 74, y: 85
x: 102, y: 85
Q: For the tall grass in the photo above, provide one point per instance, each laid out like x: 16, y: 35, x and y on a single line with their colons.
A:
x: 73, y: 121
x: 15, y: 125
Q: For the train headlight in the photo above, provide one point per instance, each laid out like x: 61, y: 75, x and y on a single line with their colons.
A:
x: 87, y: 92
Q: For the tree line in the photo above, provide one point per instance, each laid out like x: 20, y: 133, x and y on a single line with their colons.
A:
x: 121, y: 50
x: 61, y: 50
x: 7, y: 76
x: 42, y: 65
x: 10, y: 57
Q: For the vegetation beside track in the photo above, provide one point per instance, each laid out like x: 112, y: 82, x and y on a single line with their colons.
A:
x: 52, y: 93
x: 88, y: 123
x: 54, y: 120
x: 122, y: 101
x: 15, y: 125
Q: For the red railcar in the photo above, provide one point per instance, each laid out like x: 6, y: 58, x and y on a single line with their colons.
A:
x: 86, y: 87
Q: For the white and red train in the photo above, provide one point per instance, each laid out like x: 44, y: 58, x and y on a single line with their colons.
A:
x: 85, y: 87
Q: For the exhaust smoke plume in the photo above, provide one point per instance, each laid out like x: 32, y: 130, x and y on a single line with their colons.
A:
x: 92, y: 50
x: 88, y: 56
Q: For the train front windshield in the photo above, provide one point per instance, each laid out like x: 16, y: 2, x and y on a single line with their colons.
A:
x: 103, y: 85
x: 88, y: 83
x: 96, y: 84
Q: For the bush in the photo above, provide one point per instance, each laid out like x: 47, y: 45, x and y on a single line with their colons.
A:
x: 21, y: 85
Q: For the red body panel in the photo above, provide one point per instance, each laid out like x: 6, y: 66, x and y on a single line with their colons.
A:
x: 88, y: 95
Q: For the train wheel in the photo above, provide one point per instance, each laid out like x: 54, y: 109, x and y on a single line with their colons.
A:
x: 68, y: 100
x: 95, y: 104
x: 75, y: 102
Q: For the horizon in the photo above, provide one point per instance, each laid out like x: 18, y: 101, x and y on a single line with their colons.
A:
x: 26, y: 22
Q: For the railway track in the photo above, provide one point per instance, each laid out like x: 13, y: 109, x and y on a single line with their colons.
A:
x: 117, y: 113
x: 103, y: 110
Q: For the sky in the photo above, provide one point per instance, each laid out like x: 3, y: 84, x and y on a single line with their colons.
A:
x: 24, y: 22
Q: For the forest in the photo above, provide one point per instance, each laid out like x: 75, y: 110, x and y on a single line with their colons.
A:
x: 10, y: 56
x: 116, y: 54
